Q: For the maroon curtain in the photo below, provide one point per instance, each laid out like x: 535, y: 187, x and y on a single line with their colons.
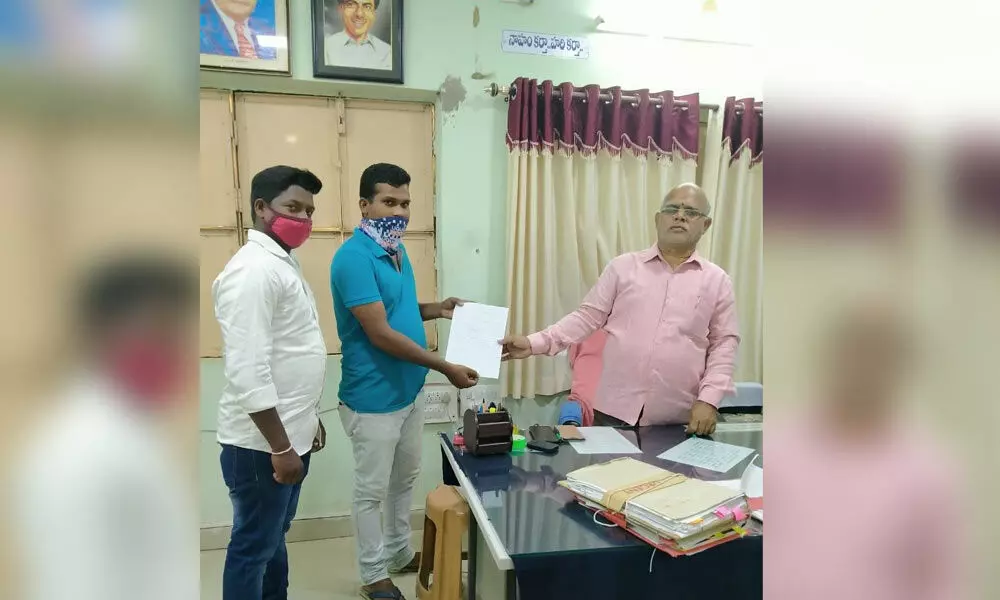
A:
x: 743, y: 131
x: 586, y: 123
x: 834, y: 174
x: 976, y: 181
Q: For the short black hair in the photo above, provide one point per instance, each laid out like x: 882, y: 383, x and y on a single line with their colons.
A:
x: 382, y: 173
x: 120, y: 288
x: 273, y: 181
x: 343, y: 1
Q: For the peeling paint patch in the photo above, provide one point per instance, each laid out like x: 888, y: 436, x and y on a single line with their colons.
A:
x: 475, y: 17
x: 452, y: 94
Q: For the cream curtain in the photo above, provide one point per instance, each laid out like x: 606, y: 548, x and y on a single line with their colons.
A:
x: 574, y: 205
x: 734, y: 183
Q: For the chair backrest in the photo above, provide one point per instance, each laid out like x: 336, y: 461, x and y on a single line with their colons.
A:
x: 749, y: 394
x: 587, y: 361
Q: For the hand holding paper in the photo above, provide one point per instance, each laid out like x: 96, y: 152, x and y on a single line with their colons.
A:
x: 461, y: 376
x: 475, y: 330
x: 515, y: 347
x: 448, y: 307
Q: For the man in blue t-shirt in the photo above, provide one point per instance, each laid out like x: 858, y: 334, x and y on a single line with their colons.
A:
x: 385, y: 360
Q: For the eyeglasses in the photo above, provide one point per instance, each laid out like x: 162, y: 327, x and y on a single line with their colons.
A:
x: 354, y: 5
x: 686, y: 211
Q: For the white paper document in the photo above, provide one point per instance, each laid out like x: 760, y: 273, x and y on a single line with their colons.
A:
x: 751, y: 483
x: 752, y: 480
x: 729, y: 484
x: 476, y: 330
x: 603, y: 440
x: 706, y: 454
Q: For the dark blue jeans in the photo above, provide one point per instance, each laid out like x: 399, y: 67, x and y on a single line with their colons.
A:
x: 263, y: 509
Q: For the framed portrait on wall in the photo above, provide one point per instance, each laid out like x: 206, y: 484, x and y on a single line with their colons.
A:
x: 358, y: 39
x: 244, y: 34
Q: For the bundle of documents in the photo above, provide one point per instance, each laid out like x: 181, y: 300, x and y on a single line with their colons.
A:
x: 675, y: 513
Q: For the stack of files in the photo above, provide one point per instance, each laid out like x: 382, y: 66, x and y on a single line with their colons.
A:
x: 672, y: 512
x: 691, y: 515
x: 594, y: 482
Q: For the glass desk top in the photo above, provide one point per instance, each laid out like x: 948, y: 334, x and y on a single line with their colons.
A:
x: 533, y: 516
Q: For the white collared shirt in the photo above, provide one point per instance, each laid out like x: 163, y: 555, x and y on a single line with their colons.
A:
x: 73, y: 545
x: 275, y: 356
x: 231, y: 26
x: 344, y: 51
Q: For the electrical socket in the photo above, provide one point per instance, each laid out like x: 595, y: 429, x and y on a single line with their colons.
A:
x: 478, y: 395
x: 439, y: 403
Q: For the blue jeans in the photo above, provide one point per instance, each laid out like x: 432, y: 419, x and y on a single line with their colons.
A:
x: 263, y: 509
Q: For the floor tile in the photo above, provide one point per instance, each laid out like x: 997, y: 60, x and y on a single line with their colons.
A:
x: 319, y: 570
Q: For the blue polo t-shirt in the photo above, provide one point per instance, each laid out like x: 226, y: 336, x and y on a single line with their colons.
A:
x: 362, y: 272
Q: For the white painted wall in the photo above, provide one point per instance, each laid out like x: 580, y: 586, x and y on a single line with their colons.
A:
x: 440, y: 41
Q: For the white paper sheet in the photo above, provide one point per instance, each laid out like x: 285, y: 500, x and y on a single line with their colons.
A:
x: 603, y: 440
x: 729, y: 484
x: 706, y: 454
x: 752, y: 480
x: 751, y: 483
x: 476, y: 330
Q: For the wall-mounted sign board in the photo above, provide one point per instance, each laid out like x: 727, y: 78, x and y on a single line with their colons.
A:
x: 545, y: 44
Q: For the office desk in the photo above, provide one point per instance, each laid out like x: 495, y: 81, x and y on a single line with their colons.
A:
x: 548, y: 546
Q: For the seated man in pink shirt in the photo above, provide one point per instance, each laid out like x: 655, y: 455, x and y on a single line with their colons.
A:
x: 670, y: 318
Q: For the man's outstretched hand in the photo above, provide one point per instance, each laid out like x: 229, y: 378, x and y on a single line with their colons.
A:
x: 448, y: 307
x: 515, y: 347
x: 461, y: 376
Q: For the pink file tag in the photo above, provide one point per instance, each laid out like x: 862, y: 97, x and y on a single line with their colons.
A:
x: 738, y: 514
x: 722, y: 512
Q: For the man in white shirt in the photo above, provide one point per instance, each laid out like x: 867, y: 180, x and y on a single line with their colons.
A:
x: 355, y: 46
x: 275, y: 364
x: 104, y: 512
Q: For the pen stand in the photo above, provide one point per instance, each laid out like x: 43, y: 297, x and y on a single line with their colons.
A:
x: 487, y: 433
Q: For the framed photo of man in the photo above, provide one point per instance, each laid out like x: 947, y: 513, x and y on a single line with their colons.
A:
x: 244, y: 34
x: 358, y: 39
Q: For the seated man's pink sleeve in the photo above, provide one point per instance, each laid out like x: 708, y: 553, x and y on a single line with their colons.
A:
x: 581, y: 323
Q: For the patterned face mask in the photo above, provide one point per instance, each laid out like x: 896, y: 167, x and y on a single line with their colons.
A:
x: 386, y: 231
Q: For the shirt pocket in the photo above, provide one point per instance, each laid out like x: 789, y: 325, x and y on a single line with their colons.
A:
x: 694, y: 312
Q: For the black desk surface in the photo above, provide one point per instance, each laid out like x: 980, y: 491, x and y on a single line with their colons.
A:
x: 535, y: 518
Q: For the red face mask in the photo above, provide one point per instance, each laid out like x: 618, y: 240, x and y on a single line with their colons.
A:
x: 147, y: 370
x: 291, y: 230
